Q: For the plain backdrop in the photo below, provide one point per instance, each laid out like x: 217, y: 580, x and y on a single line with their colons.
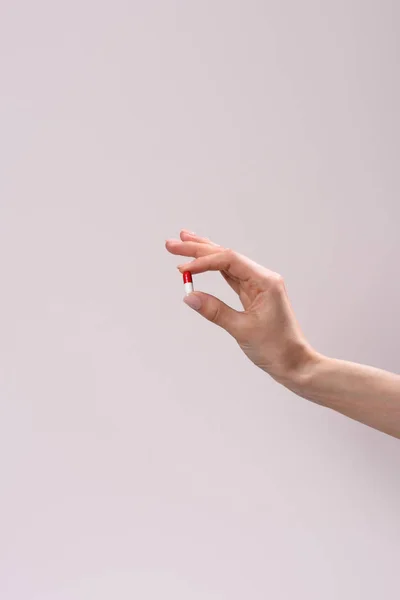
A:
x: 141, y: 454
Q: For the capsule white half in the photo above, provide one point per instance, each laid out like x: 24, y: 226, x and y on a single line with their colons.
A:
x: 188, y: 287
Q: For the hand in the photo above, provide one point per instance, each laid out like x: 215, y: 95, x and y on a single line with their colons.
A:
x: 266, y: 330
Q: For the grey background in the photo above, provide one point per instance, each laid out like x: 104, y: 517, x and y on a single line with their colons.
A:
x: 141, y: 455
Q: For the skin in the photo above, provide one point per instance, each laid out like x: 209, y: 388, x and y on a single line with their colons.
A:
x: 268, y: 333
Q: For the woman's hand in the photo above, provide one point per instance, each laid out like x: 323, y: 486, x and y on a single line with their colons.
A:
x: 268, y: 333
x: 266, y: 330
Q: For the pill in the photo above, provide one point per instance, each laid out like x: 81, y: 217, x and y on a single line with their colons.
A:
x: 188, y: 282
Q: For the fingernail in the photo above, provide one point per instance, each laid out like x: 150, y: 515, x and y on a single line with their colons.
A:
x: 189, y: 232
x: 193, y: 301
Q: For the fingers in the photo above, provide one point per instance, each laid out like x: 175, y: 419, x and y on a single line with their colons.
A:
x: 230, y: 262
x: 216, y: 311
x: 186, y: 235
x: 175, y: 247
x: 191, y: 244
x: 189, y: 248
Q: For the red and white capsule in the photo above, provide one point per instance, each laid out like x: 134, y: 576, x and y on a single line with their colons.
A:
x: 188, y: 282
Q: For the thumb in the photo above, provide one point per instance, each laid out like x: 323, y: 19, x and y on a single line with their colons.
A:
x: 214, y: 310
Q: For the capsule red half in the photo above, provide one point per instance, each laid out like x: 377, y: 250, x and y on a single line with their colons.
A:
x: 188, y: 282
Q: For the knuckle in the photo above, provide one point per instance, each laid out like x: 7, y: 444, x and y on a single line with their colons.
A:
x: 277, y: 282
x: 229, y: 253
x: 215, y: 315
x: 229, y: 256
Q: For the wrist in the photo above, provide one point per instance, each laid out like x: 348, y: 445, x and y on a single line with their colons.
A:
x: 300, y: 371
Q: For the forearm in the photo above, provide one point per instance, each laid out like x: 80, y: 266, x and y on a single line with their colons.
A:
x: 366, y: 394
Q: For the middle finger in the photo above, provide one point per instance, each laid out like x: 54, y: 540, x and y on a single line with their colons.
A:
x: 193, y: 249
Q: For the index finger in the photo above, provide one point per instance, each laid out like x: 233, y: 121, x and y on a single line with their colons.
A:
x: 236, y: 265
